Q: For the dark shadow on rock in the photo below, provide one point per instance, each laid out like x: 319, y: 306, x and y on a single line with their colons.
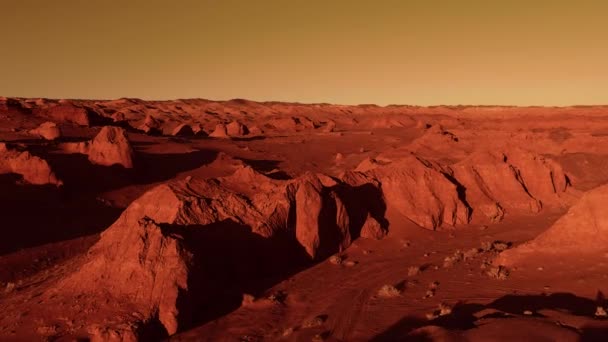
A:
x: 229, y: 260
x: 153, y: 168
x: 257, y: 137
x: 34, y: 215
x: 359, y: 202
x: 267, y: 167
x: 594, y: 333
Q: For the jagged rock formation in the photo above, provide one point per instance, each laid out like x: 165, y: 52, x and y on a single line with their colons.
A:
x: 150, y: 125
x: 583, y: 229
x: 236, y: 129
x: 515, y: 180
x: 47, y: 130
x: 150, y: 244
x: 34, y: 170
x: 419, y: 190
x: 486, y: 184
x: 330, y: 126
x: 110, y: 146
x: 372, y: 229
x: 182, y: 130
x: 219, y: 132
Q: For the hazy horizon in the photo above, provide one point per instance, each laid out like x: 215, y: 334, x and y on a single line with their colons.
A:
x: 425, y: 53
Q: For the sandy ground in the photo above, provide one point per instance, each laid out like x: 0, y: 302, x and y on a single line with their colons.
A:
x: 47, y: 230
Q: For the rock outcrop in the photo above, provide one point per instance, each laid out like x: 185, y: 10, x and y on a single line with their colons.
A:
x: 515, y: 180
x: 34, y: 170
x: 47, y: 130
x: 423, y: 192
x: 583, y: 229
x: 150, y: 125
x: 66, y: 112
x: 110, y: 146
x: 220, y: 131
x: 182, y: 130
x: 153, y: 243
x: 372, y: 229
x: 236, y: 129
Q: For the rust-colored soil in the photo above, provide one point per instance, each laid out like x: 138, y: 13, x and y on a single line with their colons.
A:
x: 196, y: 220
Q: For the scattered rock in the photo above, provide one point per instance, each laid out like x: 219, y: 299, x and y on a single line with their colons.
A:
x: 498, y: 272
x: 247, y: 299
x: 444, y: 309
x: 389, y: 291
x: 120, y: 333
x: 314, y: 322
x: 450, y: 261
x: 336, y: 259
x: 339, y: 158
x: 350, y: 263
x: 413, y: 271
x: 600, y: 312
x: 10, y: 287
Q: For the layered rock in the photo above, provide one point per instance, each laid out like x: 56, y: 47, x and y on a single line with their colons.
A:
x: 583, y: 229
x: 515, y: 180
x: 423, y: 192
x: 34, y: 170
x: 322, y: 224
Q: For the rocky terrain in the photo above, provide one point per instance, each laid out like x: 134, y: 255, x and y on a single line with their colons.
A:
x: 127, y: 220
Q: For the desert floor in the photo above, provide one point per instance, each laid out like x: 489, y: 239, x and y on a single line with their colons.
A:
x: 61, y: 281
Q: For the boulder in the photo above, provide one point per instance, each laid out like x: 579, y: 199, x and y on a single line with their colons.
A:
x: 111, y: 146
x: 220, y: 131
x: 372, y: 229
x: 150, y: 125
x: 236, y: 129
x: 47, y: 130
x: 182, y: 130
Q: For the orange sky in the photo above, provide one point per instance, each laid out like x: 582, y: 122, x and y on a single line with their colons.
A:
x: 340, y: 51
